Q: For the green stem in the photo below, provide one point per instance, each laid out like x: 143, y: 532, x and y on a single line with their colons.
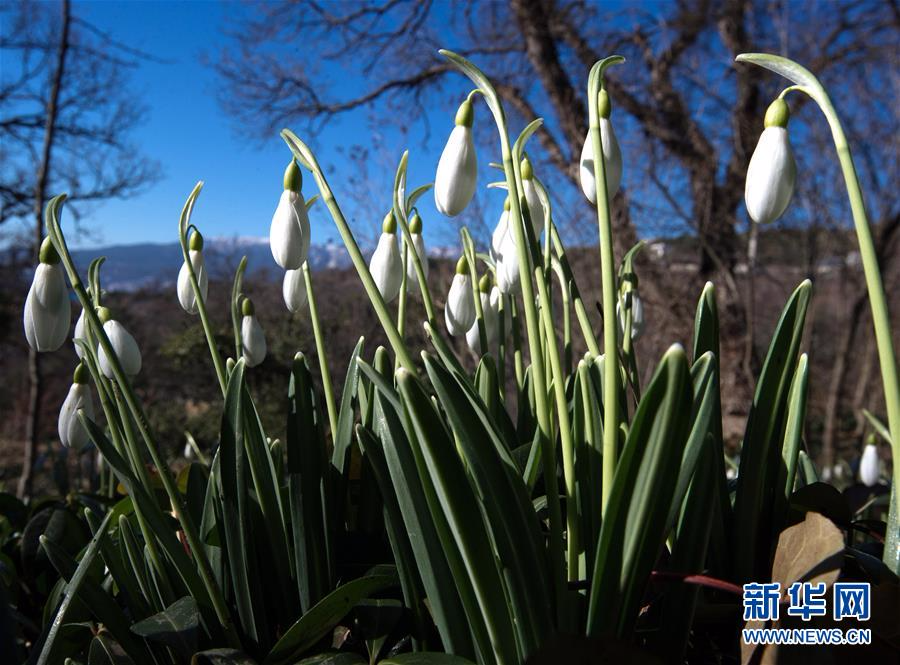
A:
x: 469, y: 251
x: 327, y: 385
x: 608, y: 280
x: 306, y: 157
x: 236, y: 308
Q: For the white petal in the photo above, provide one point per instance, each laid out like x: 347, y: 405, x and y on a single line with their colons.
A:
x: 125, y: 347
x: 71, y: 432
x: 79, y: 334
x: 412, y: 279
x: 498, y: 238
x: 188, y: 452
x: 254, y: 341
x: 293, y: 290
x: 770, y: 176
x: 289, y: 233
x: 868, y: 466
x: 457, y: 173
x: 386, y: 267
x: 612, y: 160
x: 47, y: 325
x: 508, y: 278
x: 459, y: 313
x: 491, y: 325
x: 185, y: 290
x: 535, y: 207
x: 637, y: 316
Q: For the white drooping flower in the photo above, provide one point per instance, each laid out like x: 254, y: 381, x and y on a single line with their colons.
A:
x: 123, y: 344
x: 612, y: 155
x: 459, y: 312
x: 501, y: 231
x: 457, y: 171
x: 189, y: 453
x: 48, y: 312
x: 293, y: 290
x: 253, y: 339
x: 535, y: 207
x: 772, y: 170
x: 79, y: 335
x: 289, y: 233
x: 868, y: 465
x: 637, y: 315
x: 185, y: 291
x: 418, y: 243
x: 386, y: 265
x: 490, y: 317
x: 508, y: 278
x: 72, y: 433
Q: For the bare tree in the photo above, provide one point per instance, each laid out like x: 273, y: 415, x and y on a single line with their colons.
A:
x: 66, y: 116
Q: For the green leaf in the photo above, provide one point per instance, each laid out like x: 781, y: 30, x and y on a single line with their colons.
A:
x: 706, y: 324
x: 634, y: 524
x: 793, y: 437
x: 106, y: 651
x: 454, y: 497
x: 222, y: 657
x: 176, y: 627
x: 425, y: 658
x: 432, y: 558
x: 306, y: 464
x: 878, y: 426
x: 754, y: 519
x: 505, y: 502
x: 324, y: 616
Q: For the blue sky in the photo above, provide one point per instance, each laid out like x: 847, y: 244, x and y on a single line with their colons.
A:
x: 193, y: 139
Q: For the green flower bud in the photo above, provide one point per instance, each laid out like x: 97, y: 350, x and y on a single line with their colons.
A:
x: 104, y: 314
x: 196, y: 242
x: 229, y: 365
x: 415, y: 223
x: 462, y: 266
x: 485, y: 283
x: 48, y: 253
x: 81, y: 374
x: 604, y: 108
x: 389, y: 225
x: 527, y: 171
x: 466, y: 114
x: 247, y: 308
x: 778, y: 114
x: 506, y: 204
x: 293, y: 179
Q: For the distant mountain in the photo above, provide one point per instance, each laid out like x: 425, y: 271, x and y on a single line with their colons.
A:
x: 132, y: 267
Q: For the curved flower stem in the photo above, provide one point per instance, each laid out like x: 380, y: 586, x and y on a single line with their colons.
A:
x: 236, y: 308
x: 184, y: 226
x: 327, y: 385
x: 532, y: 322
x: 806, y: 82
x: 306, y: 157
x: 608, y: 280
x: 195, y: 544
x: 401, y: 210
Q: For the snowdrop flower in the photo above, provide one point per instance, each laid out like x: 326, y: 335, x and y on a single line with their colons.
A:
x: 126, y: 349
x: 491, y: 321
x: 457, y: 171
x: 185, y: 291
x: 501, y: 231
x: 535, y: 207
x: 637, y: 314
x: 508, y: 266
x: 386, y: 265
x: 868, y: 465
x: 72, y: 433
x: 252, y: 336
x: 289, y: 233
x: 293, y: 289
x: 418, y: 243
x: 612, y: 155
x: 772, y: 170
x: 459, y: 312
x: 189, y: 453
x: 79, y: 335
x: 48, y: 312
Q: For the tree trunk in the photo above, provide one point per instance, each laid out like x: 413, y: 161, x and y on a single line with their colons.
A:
x: 40, y: 190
